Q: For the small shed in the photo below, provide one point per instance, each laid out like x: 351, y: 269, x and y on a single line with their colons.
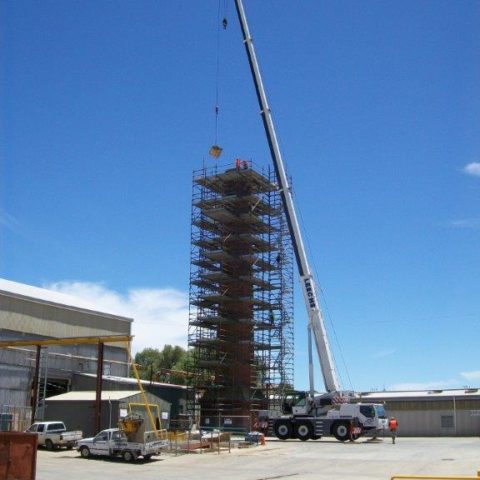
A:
x: 176, y: 395
x: 77, y: 409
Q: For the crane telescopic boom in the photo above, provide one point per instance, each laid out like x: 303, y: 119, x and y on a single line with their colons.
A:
x: 316, y: 324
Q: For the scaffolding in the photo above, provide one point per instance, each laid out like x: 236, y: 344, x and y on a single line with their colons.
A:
x: 241, y: 292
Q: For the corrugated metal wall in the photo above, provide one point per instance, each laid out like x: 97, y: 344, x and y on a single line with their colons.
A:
x: 15, y: 384
x: 436, y: 418
x: 30, y: 317
x: 23, y: 318
x: 80, y: 415
x: 17, y: 367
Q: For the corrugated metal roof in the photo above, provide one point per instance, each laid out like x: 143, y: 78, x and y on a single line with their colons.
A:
x: 42, y: 295
x: 90, y: 395
x: 422, y: 394
x: 132, y: 381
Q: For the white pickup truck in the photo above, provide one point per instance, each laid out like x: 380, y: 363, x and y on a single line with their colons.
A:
x: 54, y: 434
x: 113, y: 442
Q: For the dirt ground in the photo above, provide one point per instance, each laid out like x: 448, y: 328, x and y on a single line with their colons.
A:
x: 321, y: 459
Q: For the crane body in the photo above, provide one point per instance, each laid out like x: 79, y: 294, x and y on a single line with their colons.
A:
x: 308, y: 416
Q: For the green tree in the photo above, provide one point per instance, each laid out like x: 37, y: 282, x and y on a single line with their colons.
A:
x: 147, y: 361
x: 152, y: 363
x: 171, y: 355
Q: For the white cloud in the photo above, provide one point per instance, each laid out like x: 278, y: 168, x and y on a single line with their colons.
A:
x: 160, y: 314
x: 9, y: 221
x: 471, y: 376
x: 470, y: 223
x: 472, y: 169
x: 383, y: 353
x: 438, y: 385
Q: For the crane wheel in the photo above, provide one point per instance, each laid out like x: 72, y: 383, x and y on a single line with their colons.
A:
x: 303, y: 431
x: 282, y: 429
x: 340, y: 431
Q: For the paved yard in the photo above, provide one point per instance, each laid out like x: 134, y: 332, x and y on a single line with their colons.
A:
x: 321, y: 459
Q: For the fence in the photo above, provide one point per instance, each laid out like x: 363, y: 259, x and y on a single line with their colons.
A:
x: 235, y: 424
x: 199, y: 442
x: 216, y: 433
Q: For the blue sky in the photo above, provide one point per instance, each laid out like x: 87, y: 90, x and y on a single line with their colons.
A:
x: 107, y: 107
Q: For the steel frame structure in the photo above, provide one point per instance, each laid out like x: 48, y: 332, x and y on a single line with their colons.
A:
x: 241, y: 291
x: 100, y: 341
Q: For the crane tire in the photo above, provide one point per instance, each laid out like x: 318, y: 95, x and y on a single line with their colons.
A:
x: 341, y: 431
x: 282, y: 429
x: 303, y: 431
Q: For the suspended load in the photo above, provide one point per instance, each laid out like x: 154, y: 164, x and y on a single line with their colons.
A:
x: 215, y: 151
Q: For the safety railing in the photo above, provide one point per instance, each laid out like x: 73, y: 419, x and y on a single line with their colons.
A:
x: 218, y: 434
x: 235, y: 424
x: 198, y: 442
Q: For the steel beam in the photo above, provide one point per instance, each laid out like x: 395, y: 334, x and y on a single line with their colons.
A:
x: 67, y: 341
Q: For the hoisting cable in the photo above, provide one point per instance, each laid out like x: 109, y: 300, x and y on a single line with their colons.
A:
x: 216, y: 150
x: 217, y: 75
x: 322, y: 293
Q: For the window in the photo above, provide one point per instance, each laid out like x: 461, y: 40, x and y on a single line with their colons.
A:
x: 33, y: 428
x: 447, y: 421
x: 101, y: 437
x: 367, y: 410
x: 380, y: 411
x: 40, y: 427
x: 119, y: 436
x: 55, y: 427
x: 299, y: 399
x: 301, y: 403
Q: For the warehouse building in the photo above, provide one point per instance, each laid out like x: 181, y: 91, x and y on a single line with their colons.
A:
x: 28, y: 313
x: 453, y: 412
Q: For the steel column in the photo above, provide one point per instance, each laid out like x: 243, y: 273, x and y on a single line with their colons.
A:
x: 98, y: 391
x: 35, y: 383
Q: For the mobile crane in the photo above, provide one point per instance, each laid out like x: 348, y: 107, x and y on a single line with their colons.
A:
x: 308, y: 415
